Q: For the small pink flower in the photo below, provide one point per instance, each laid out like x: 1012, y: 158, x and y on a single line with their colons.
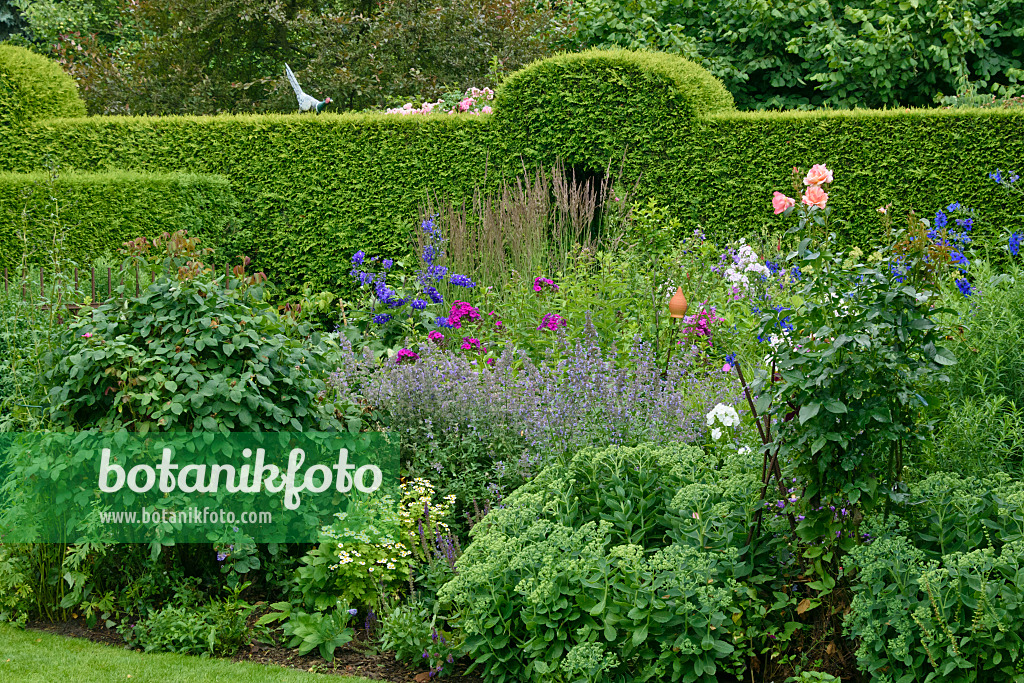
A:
x: 487, y: 109
x: 726, y: 368
x: 781, y: 202
x: 87, y: 335
x: 465, y: 104
x: 818, y: 175
x: 815, y: 196
x: 882, y: 209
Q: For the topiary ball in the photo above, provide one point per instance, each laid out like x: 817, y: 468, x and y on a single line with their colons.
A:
x: 33, y: 87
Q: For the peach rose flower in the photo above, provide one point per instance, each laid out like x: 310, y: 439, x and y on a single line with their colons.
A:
x: 781, y: 202
x: 818, y: 175
x: 815, y: 196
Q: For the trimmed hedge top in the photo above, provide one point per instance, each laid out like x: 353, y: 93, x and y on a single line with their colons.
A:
x: 34, y: 87
x: 592, y: 105
x: 100, y: 211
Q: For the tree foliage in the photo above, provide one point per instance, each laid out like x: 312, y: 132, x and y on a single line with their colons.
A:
x: 860, y: 53
x: 209, y: 56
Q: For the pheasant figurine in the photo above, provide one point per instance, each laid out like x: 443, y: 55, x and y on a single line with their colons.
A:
x: 306, y: 102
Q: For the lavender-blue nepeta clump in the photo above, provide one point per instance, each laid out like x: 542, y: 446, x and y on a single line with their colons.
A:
x: 541, y: 410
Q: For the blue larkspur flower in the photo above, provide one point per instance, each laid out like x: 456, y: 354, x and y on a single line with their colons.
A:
x: 997, y: 176
x: 434, y: 295
x: 461, y: 281
x: 1015, y: 243
x: 772, y: 267
x: 359, y: 257
x: 795, y: 273
x: 381, y: 318
x: 731, y: 359
x: 953, y: 207
x: 959, y: 259
x: 964, y: 286
x: 387, y: 263
x: 418, y: 304
x: 940, y: 220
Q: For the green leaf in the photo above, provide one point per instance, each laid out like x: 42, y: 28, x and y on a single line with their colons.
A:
x: 834, y: 406
x: 808, y: 411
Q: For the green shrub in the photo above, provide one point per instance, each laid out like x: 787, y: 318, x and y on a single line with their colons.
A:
x: 416, y: 635
x: 979, y: 436
x: 619, y: 565
x: 361, y: 555
x: 224, y: 361
x: 324, y: 630
x: 33, y: 87
x: 92, y: 214
x: 991, y: 350
x: 217, y: 628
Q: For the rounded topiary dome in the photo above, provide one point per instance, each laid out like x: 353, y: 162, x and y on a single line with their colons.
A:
x: 34, y: 87
x: 587, y: 105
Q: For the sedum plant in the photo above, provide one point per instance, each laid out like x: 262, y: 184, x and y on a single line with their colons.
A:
x: 619, y: 564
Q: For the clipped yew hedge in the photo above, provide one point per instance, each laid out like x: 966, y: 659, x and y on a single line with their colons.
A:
x: 93, y: 214
x: 34, y: 87
x: 312, y: 190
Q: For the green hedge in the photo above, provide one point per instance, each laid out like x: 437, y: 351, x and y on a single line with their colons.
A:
x: 591, y: 107
x: 97, y: 212
x: 724, y: 175
x: 34, y: 87
x: 315, y: 189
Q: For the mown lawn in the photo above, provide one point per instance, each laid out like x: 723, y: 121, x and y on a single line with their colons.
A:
x: 29, y: 656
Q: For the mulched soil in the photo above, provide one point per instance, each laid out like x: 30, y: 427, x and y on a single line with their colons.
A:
x: 354, y: 659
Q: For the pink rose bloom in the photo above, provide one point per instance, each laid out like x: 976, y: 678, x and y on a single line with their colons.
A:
x: 815, y: 196
x: 781, y: 202
x: 487, y: 109
x: 465, y: 104
x: 818, y: 175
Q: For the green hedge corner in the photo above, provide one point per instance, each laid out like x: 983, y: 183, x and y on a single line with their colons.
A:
x: 88, y: 215
x: 33, y: 87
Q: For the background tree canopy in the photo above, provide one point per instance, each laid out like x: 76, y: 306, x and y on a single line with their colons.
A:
x: 209, y: 56
x: 813, y: 53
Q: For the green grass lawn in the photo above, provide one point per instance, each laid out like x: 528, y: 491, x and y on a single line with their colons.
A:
x: 29, y: 656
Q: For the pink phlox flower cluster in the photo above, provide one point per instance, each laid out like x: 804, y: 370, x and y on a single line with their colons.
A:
x: 700, y: 323
x: 462, y: 311
x: 406, y: 355
x: 551, y: 321
x: 435, y: 337
x: 540, y: 283
x: 473, y: 344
